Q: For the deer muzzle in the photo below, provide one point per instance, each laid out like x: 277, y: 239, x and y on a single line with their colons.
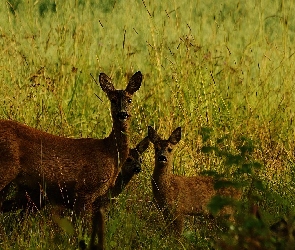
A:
x: 162, y: 158
x: 122, y: 115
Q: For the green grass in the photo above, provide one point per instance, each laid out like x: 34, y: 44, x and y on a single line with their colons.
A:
x: 226, y: 67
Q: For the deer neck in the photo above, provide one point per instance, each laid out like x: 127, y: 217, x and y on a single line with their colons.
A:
x: 122, y: 181
x: 120, y: 138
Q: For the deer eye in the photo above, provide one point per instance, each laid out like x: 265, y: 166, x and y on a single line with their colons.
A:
x: 169, y: 150
x: 129, y: 100
x: 128, y: 159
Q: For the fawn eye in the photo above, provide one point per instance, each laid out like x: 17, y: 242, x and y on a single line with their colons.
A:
x: 128, y: 159
x: 129, y: 100
x: 169, y: 150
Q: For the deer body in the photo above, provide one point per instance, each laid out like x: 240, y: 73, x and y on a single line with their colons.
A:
x: 83, y: 170
x: 177, y: 196
x: 188, y: 195
x: 30, y: 157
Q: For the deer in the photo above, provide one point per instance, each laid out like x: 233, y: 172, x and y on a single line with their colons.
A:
x: 131, y: 167
x: 84, y: 168
x: 177, y: 196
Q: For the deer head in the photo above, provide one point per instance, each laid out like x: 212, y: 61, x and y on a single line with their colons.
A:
x: 164, y: 148
x: 120, y: 99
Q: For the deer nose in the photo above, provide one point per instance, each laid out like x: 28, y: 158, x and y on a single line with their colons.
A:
x: 122, y: 115
x: 162, y: 158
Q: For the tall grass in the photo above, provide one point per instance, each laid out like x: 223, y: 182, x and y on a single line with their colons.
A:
x: 223, y: 66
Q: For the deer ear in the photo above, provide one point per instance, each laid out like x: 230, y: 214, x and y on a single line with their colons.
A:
x: 143, y: 145
x: 134, y: 83
x: 106, y: 83
x: 152, y: 135
x: 175, y: 136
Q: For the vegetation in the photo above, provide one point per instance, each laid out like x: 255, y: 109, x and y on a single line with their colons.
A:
x: 224, y: 72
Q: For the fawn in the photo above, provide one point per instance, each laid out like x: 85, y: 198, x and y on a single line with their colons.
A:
x: 84, y: 168
x: 175, y: 195
x: 131, y: 166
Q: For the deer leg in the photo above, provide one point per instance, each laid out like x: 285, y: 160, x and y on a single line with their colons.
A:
x: 6, y: 205
x: 178, y: 225
x: 98, y: 228
x: 100, y: 207
x: 9, y: 164
x: 101, y: 228
x: 174, y: 222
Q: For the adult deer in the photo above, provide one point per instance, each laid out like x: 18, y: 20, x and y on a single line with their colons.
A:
x: 84, y: 169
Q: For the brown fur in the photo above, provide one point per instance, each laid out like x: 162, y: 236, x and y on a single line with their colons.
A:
x: 175, y: 195
x: 131, y: 166
x: 85, y: 169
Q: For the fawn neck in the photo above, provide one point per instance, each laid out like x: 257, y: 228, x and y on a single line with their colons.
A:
x: 162, y: 172
x: 161, y: 180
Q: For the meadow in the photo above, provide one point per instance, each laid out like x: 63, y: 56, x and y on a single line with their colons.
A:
x: 222, y: 70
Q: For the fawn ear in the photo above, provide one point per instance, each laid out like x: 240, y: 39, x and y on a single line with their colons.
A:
x: 152, y: 134
x: 106, y: 83
x: 175, y: 136
x: 134, y: 83
x: 143, y: 145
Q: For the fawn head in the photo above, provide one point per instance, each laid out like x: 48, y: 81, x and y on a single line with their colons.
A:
x: 120, y: 99
x: 164, y: 148
x: 133, y: 161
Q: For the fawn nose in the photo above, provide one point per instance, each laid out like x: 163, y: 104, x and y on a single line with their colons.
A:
x: 162, y: 158
x: 122, y: 115
x: 137, y: 169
